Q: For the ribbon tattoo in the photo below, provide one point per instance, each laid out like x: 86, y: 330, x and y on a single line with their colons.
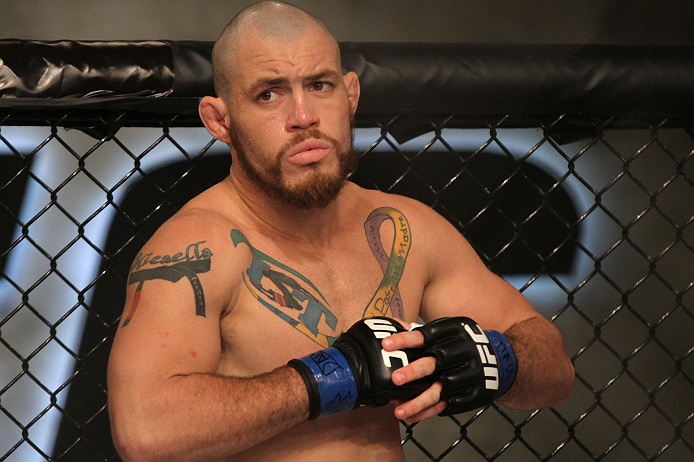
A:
x: 388, y: 294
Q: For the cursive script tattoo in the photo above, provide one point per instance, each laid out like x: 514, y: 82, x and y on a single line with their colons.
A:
x: 187, y: 264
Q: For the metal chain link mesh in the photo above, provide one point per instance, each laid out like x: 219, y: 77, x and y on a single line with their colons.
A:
x: 593, y: 225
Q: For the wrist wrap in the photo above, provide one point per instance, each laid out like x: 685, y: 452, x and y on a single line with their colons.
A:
x: 327, y: 374
x: 506, y: 360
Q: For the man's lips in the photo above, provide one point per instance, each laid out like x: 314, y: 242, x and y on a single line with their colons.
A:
x: 309, y: 151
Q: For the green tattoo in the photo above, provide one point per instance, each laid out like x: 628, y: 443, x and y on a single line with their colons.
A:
x: 296, y: 294
x: 296, y: 300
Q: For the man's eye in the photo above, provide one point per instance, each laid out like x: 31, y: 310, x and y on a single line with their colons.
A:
x: 320, y: 86
x: 267, y: 96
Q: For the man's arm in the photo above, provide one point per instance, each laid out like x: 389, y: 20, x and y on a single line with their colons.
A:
x: 166, y: 401
x: 207, y: 417
x: 545, y: 373
x: 461, y: 285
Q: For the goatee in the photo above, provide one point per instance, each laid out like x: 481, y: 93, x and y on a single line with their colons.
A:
x: 318, y: 189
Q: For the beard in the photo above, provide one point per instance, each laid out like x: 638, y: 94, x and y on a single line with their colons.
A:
x: 317, y: 190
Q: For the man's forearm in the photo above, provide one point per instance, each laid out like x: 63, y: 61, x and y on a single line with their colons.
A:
x: 545, y: 373
x: 205, y: 417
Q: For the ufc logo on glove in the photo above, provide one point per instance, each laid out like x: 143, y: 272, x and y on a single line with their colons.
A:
x: 491, y: 374
x: 468, y: 361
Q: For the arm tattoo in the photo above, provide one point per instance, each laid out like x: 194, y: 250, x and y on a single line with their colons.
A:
x: 186, y: 264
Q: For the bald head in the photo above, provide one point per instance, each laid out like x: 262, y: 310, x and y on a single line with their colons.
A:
x: 275, y: 21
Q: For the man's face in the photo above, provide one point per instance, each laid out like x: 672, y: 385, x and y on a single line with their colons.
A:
x: 318, y: 186
x: 290, y: 118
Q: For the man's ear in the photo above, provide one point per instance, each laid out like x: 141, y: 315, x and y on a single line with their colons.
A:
x: 213, y: 113
x: 353, y: 90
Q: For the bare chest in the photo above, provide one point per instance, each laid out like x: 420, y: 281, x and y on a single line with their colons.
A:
x: 293, y: 302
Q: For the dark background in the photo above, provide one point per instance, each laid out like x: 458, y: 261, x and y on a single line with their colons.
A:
x: 490, y: 21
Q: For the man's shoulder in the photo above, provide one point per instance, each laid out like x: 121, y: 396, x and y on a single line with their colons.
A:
x: 429, y: 229
x: 194, y: 220
x: 201, y: 223
x: 412, y: 209
x: 375, y: 197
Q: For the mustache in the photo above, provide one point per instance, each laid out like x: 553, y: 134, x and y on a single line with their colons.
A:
x: 303, y: 136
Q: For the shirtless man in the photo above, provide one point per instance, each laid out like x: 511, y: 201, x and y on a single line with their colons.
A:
x: 275, y: 262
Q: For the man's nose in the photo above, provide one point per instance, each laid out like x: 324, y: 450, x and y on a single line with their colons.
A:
x: 303, y: 115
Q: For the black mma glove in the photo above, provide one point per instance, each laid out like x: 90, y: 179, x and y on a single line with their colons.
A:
x: 474, y: 366
x: 356, y: 370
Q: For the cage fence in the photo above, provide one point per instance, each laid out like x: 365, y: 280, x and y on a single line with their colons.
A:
x: 590, y: 216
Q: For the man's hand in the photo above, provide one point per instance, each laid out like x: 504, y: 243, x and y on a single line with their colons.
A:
x: 428, y: 403
x: 471, y: 367
x: 357, y: 370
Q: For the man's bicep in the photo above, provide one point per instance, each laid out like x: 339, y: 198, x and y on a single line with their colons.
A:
x: 170, y: 322
x: 162, y: 331
x: 461, y: 285
x: 160, y: 338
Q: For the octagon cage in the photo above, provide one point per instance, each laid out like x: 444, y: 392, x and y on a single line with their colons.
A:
x: 568, y: 168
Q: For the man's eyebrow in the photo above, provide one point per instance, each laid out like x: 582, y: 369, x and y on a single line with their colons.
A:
x: 262, y: 84
x: 330, y: 74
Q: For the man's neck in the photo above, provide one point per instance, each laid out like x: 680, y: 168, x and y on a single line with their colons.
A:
x: 316, y: 226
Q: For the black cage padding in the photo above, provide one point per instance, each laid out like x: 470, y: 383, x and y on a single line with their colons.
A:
x: 403, y: 78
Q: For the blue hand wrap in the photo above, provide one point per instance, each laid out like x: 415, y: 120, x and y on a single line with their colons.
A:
x: 506, y: 360
x: 335, y: 380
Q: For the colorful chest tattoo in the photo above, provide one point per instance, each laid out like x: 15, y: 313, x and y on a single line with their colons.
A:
x: 296, y: 300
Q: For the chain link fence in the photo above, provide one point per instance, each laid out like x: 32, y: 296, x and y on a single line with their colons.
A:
x: 591, y: 217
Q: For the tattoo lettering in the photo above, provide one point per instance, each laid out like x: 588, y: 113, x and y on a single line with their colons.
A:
x: 388, y: 294
x: 186, y: 264
x: 288, y: 294
x: 192, y: 252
